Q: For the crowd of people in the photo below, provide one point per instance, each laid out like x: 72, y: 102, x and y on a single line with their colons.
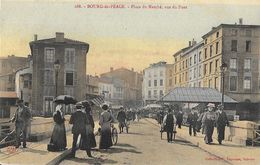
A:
x: 207, y: 120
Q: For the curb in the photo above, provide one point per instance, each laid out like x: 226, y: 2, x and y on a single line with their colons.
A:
x: 59, y: 158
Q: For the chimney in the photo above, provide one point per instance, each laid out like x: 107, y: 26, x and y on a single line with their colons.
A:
x: 111, y: 69
x: 132, y: 69
x: 193, y: 42
x: 59, y: 37
x: 35, y: 37
x: 189, y: 43
x: 240, y: 21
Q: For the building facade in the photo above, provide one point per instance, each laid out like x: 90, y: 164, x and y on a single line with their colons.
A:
x: 154, y: 82
x: 92, y: 88
x: 67, y: 79
x: 112, y: 89
x: 8, y: 66
x: 132, y: 84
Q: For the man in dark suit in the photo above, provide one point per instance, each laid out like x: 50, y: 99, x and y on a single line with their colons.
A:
x: 21, y: 118
x: 179, y: 118
x: 121, y: 117
x: 221, y: 122
x: 192, y: 120
x: 78, y: 119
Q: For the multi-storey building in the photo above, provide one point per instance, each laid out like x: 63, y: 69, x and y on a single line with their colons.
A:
x: 92, y: 87
x: 8, y: 66
x: 236, y: 45
x: 132, y: 86
x: 112, y: 89
x: 154, y: 82
x: 68, y: 79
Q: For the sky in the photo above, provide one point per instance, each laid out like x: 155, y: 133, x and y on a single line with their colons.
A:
x: 131, y: 38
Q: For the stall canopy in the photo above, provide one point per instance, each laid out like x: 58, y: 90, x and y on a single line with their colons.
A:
x: 153, y: 106
x: 195, y: 95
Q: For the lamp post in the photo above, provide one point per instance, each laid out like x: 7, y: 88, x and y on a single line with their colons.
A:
x: 223, y: 68
x: 56, y: 68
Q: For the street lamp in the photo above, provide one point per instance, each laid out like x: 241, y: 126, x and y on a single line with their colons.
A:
x: 223, y: 68
x: 56, y: 68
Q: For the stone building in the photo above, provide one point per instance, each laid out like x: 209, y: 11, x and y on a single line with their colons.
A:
x: 92, y: 88
x: 236, y: 45
x: 132, y: 84
x: 154, y: 82
x: 8, y: 66
x: 68, y: 79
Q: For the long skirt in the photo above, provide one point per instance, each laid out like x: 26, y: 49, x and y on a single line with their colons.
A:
x: 209, y: 128
x: 90, y: 142
x: 105, y: 138
x: 58, y: 137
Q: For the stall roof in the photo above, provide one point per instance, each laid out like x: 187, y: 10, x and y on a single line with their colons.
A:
x: 195, y: 95
x: 8, y: 94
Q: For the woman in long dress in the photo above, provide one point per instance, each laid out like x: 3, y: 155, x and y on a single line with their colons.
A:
x: 104, y: 121
x: 90, y: 125
x: 58, y: 137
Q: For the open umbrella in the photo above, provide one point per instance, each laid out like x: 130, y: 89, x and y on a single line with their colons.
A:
x: 65, y: 99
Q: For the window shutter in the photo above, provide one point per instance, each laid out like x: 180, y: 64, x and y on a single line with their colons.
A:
x: 75, y: 78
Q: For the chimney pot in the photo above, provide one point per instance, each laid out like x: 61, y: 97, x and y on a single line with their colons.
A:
x: 189, y: 43
x: 35, y: 37
x: 59, y: 37
x: 240, y: 21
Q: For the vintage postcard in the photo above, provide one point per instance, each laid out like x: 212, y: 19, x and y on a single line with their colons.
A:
x: 138, y: 82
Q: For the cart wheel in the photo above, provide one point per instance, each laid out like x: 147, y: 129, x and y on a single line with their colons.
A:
x: 114, y: 136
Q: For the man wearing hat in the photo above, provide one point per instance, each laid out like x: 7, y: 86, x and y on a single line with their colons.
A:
x: 121, y: 117
x: 221, y: 122
x: 208, y: 122
x: 169, y: 121
x: 21, y: 118
x: 78, y: 119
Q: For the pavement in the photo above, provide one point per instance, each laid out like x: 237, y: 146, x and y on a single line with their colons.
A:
x: 140, y: 146
x: 230, y: 152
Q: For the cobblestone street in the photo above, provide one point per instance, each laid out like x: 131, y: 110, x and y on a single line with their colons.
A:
x: 143, y: 145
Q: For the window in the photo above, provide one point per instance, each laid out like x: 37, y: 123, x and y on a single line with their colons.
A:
x: 234, y: 32
x: 195, y: 58
x: 233, y: 63
x: 149, y: 94
x: 4, y: 112
x: 233, y: 83
x: 190, y: 61
x: 175, y: 68
x: 217, y: 34
x: 234, y: 45
x: 69, y: 56
x: 199, y: 56
x: 170, y: 82
x: 206, y: 40
x: 155, y: 83
x: 180, y: 78
x: 194, y: 73
x: 210, y: 67
x: 248, y: 46
x: 247, y: 65
x: 161, y: 73
x: 175, y: 80
x: 199, y: 70
x: 161, y: 82
x: 247, y: 83
x: 216, y: 65
x: 205, y: 69
x: 155, y: 93
x: 249, y: 33
x: 216, y: 83
x: 210, y: 50
x: 217, y: 47
x: 210, y: 82
x: 190, y: 74
x: 186, y: 63
x: 205, y: 53
x: 49, y: 54
x: 161, y: 93
x: 199, y: 84
x: 183, y: 64
x: 175, y: 59
x: 48, y: 77
x: 69, y: 78
x: 149, y: 83
x: 183, y: 77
